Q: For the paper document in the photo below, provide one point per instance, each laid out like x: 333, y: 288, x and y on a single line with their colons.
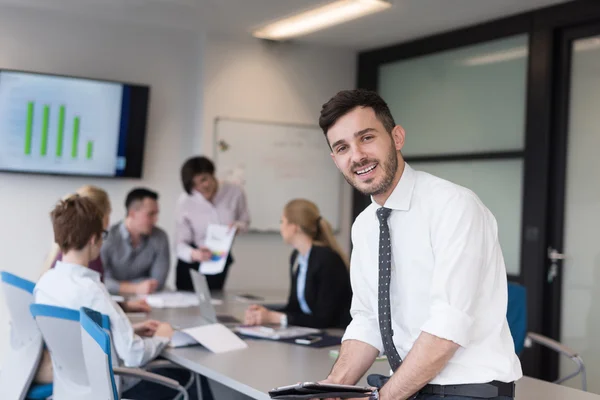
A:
x: 219, y: 239
x: 175, y: 300
x: 215, y: 337
x: 276, y: 333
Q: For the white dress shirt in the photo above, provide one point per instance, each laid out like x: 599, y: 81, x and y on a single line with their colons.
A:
x: 73, y: 286
x: 448, y: 278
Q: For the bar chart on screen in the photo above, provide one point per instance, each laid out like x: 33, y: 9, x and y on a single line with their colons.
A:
x: 60, y: 125
x: 61, y: 148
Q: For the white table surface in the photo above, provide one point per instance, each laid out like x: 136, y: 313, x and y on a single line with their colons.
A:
x: 268, y: 364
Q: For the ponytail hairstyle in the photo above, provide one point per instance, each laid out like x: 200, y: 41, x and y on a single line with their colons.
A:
x: 307, y: 216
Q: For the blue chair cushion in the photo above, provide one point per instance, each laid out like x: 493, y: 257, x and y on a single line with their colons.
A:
x: 39, y: 392
x: 516, y: 314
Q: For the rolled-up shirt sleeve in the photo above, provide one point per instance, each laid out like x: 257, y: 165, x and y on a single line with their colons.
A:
x: 160, y: 267
x: 364, y: 325
x: 113, y: 285
x: 458, y: 239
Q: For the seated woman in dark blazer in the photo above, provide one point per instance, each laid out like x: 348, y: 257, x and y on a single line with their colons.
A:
x: 320, y: 294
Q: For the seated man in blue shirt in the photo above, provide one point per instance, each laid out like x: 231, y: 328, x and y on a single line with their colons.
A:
x: 136, y: 253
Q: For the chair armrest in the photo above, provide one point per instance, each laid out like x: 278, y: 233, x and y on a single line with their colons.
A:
x: 552, y: 344
x: 156, y: 364
x: 566, y: 351
x: 150, y: 377
x: 166, y: 364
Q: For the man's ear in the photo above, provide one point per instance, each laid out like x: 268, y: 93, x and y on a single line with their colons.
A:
x: 398, y: 135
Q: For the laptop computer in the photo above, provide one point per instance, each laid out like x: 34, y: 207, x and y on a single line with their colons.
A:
x: 207, y: 310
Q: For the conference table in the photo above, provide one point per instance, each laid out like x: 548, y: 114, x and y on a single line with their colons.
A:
x: 265, y: 364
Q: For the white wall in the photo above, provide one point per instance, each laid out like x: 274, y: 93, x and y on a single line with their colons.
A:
x: 167, y: 60
x: 271, y: 82
x: 193, y: 79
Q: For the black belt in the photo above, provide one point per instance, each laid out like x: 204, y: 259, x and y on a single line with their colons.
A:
x: 477, y: 390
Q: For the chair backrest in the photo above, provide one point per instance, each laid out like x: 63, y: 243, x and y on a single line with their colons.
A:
x: 96, y: 346
x: 26, y: 344
x: 516, y: 314
x: 61, y: 331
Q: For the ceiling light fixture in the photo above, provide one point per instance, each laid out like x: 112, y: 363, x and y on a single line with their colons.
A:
x: 320, y: 18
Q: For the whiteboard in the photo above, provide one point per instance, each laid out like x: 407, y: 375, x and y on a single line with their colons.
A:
x: 276, y: 163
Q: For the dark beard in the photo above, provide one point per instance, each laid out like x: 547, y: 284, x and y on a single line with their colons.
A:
x: 389, y: 167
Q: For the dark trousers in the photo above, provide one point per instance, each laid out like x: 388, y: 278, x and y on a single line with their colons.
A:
x: 153, y: 391
x: 379, y: 381
x: 183, y: 281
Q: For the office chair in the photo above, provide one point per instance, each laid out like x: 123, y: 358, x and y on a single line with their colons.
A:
x: 517, y: 321
x: 61, y: 331
x: 96, y: 345
x: 26, y: 343
x: 62, y: 334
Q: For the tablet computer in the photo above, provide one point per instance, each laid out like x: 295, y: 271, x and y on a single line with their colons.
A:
x: 308, y: 390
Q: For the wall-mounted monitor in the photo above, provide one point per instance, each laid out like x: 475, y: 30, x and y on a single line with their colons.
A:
x: 62, y: 125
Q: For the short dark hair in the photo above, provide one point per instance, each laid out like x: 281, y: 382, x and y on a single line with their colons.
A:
x: 347, y: 100
x: 75, y: 221
x: 192, y: 167
x: 139, y: 194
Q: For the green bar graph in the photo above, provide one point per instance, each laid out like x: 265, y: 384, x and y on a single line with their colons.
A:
x: 61, y: 131
x: 29, y: 127
x: 90, y: 150
x: 46, y: 122
x: 75, y: 143
x: 61, y: 125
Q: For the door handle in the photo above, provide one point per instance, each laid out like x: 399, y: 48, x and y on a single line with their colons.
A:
x: 554, y: 256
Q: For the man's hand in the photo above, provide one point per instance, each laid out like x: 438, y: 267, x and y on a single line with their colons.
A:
x: 147, y: 328
x: 201, y: 254
x: 147, y: 286
x: 164, y: 330
x: 139, y: 305
x: 259, y: 315
x: 330, y: 381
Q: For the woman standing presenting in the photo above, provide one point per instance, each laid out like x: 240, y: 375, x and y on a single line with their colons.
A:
x: 205, y: 201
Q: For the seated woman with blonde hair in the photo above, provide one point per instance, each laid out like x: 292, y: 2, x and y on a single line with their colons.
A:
x: 320, y: 294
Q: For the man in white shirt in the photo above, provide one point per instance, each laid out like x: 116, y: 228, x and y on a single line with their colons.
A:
x: 427, y: 271
x: 79, y: 232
